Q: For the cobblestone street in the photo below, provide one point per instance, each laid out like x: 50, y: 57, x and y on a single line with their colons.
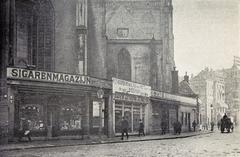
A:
x: 215, y: 144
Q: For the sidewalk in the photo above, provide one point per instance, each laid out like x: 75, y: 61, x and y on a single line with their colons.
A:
x: 92, y: 141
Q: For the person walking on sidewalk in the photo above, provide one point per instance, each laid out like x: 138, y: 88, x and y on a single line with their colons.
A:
x: 164, y: 127
x: 212, y: 125
x: 24, y: 130
x: 141, y: 128
x: 194, y: 124
x: 124, y: 125
x: 219, y: 124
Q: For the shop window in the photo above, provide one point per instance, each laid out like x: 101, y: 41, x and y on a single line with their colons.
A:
x: 136, y: 118
x: 128, y: 115
x: 33, y: 113
x: 156, y: 117
x: 70, y: 117
x: 96, y: 114
x: 118, y: 118
x: 132, y: 113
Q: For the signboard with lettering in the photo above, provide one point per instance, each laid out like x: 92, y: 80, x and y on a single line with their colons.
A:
x: 168, y: 96
x: 130, y: 98
x: 128, y: 87
x: 44, y: 76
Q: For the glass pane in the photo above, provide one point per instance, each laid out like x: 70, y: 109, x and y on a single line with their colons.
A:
x: 70, y: 117
x: 118, y: 119
x: 128, y: 116
x: 33, y: 115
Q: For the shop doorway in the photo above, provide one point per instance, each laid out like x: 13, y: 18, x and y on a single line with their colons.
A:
x: 53, y: 121
x: 189, y: 121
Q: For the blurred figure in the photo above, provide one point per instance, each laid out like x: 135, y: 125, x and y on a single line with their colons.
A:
x: 164, y: 127
x: 124, y: 125
x: 24, y: 130
x: 219, y: 124
x: 212, y: 125
x: 194, y: 124
x: 141, y: 128
x: 177, y: 126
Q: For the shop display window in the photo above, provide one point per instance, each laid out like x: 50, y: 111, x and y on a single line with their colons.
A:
x: 128, y: 115
x: 118, y: 118
x: 33, y: 113
x: 132, y: 113
x: 136, y: 118
x: 96, y: 114
x: 70, y: 117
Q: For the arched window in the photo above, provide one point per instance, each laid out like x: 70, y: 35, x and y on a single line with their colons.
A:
x: 124, y: 65
x: 154, y: 77
x: 34, y: 34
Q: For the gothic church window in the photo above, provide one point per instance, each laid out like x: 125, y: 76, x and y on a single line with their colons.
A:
x: 124, y: 65
x: 154, y: 77
x: 34, y: 34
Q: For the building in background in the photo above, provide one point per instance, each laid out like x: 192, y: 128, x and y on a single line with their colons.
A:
x: 232, y: 89
x: 210, y: 87
x: 186, y: 90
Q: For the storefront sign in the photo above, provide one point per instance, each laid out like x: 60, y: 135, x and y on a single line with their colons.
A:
x: 131, y: 98
x: 127, y: 87
x: 168, y: 96
x: 25, y: 74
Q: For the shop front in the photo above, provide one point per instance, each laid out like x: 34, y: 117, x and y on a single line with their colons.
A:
x: 170, y: 108
x: 130, y: 100
x: 56, y: 104
x: 164, y: 113
x: 187, y: 114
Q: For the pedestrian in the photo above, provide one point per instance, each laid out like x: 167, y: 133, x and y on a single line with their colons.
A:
x: 177, y: 126
x: 194, y: 124
x: 164, y: 127
x: 124, y: 126
x: 141, y: 128
x: 218, y: 124
x: 212, y: 125
x: 24, y: 130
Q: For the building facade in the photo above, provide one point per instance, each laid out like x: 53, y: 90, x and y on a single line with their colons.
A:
x: 232, y: 88
x: 210, y: 87
x: 64, y: 65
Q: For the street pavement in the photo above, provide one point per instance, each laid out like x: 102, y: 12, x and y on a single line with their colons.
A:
x: 215, y: 144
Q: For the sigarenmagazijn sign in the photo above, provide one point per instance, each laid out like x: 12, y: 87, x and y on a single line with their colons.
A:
x: 44, y: 76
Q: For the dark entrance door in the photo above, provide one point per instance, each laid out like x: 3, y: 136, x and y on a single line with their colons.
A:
x: 189, y: 122
x: 53, y: 120
x: 105, y: 111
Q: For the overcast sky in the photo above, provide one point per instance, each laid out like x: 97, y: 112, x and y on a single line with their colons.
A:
x: 206, y: 34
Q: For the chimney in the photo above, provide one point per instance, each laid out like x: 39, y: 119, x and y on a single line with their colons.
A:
x: 174, y: 81
x: 186, y: 77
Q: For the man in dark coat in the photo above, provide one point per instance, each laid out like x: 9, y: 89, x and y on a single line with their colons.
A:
x: 24, y: 130
x: 194, y: 124
x: 124, y: 126
x: 177, y: 126
x: 141, y: 128
x: 164, y: 127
